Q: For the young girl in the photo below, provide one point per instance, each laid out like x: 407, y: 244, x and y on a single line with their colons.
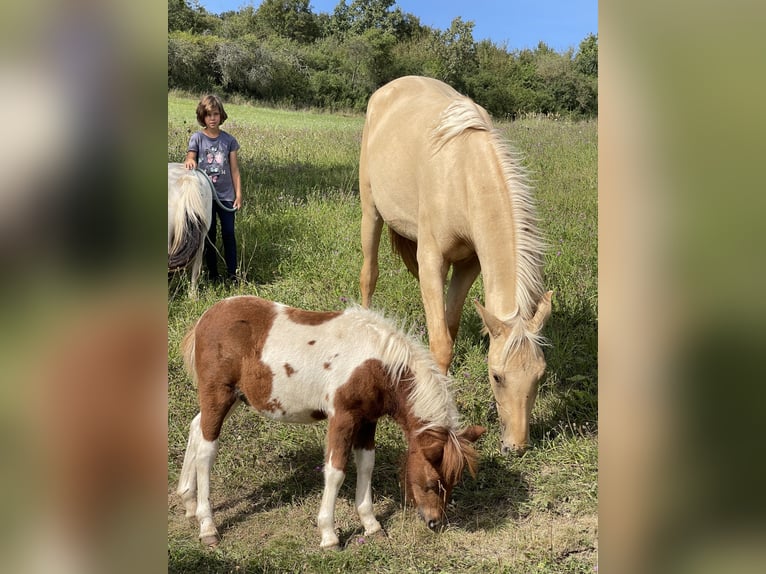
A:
x: 215, y: 152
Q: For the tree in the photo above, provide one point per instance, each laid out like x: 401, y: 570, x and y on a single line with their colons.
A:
x: 289, y: 18
x: 586, y: 60
x: 459, y: 52
x: 181, y: 17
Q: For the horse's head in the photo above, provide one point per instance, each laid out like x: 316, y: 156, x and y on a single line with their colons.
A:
x: 516, y: 364
x: 435, y: 462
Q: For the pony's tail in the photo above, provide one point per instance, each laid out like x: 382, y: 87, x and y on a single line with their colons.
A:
x: 191, y: 219
x: 407, y: 249
x: 188, y: 346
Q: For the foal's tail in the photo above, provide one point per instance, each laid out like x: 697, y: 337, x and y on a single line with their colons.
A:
x: 407, y: 249
x: 190, y: 222
x: 188, y: 346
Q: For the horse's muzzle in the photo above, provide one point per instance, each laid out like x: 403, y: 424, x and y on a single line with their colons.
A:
x: 513, y: 449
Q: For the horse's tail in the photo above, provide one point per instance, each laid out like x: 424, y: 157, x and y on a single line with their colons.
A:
x: 407, y: 249
x: 188, y: 346
x: 190, y: 222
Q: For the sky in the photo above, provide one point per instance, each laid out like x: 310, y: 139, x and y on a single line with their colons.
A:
x: 515, y: 24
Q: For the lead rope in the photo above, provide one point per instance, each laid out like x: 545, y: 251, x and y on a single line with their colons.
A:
x: 215, y: 193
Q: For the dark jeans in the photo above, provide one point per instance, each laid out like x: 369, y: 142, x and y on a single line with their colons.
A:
x: 229, y: 241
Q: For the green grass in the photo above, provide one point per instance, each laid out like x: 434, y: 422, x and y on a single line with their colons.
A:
x: 298, y: 239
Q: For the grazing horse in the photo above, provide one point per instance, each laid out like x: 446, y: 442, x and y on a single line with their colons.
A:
x: 436, y: 171
x: 190, y: 209
x: 350, y: 367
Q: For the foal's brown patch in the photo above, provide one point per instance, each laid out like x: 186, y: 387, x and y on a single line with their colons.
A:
x: 289, y: 369
x: 229, y: 341
x: 303, y: 317
x: 312, y: 342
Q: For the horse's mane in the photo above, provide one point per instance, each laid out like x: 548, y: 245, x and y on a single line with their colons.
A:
x: 463, y: 114
x: 431, y: 394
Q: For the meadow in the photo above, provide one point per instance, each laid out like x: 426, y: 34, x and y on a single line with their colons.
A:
x: 298, y: 240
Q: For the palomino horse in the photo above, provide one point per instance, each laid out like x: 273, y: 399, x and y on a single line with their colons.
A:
x: 190, y: 209
x: 351, y: 367
x: 436, y: 171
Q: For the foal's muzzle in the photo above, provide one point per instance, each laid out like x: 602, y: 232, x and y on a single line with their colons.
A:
x: 433, y: 524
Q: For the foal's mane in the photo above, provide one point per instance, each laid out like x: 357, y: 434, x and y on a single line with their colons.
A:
x: 463, y: 114
x: 431, y: 394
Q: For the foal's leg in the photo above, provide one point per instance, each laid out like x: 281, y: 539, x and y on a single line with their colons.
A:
x: 187, y: 483
x: 340, y: 432
x: 364, y: 455
x: 333, y: 479
x: 215, y: 408
x: 464, y: 273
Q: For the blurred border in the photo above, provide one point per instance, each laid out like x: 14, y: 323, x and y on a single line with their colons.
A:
x: 84, y: 341
x: 681, y: 317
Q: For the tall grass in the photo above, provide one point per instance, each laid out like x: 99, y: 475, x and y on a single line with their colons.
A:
x: 298, y: 239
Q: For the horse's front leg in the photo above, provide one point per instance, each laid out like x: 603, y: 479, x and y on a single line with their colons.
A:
x: 364, y: 455
x: 433, y: 272
x: 339, y: 435
x: 464, y: 273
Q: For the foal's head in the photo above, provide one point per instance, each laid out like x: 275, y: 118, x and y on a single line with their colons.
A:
x: 435, y: 462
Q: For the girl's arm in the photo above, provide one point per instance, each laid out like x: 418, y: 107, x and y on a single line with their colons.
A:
x: 191, y: 160
x: 234, y: 166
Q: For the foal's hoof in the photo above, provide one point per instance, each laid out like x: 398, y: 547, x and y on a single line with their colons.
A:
x: 210, y: 541
x: 333, y: 548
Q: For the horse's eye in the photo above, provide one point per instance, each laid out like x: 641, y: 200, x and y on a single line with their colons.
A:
x: 498, y: 379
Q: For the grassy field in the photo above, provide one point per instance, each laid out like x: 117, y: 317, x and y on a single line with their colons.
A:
x: 298, y: 239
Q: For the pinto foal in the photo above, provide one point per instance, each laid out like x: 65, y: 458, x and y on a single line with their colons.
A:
x: 351, y: 367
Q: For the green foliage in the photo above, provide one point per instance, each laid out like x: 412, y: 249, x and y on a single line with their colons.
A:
x: 289, y: 18
x: 283, y: 53
x: 298, y: 239
x: 192, y: 61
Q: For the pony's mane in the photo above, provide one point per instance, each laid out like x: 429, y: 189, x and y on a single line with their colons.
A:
x: 431, y: 394
x: 461, y: 115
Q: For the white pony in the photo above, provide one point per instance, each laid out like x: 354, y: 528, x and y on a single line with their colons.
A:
x: 190, y: 210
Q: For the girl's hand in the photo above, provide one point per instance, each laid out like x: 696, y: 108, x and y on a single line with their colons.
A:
x: 238, y: 202
x: 190, y: 164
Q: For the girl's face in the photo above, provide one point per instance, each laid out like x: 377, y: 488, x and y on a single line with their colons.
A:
x: 213, y: 120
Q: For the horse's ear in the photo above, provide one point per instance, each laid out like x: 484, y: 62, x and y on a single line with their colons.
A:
x: 494, y: 326
x: 536, y: 323
x: 472, y: 433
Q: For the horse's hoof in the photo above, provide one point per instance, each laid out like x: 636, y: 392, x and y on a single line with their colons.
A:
x: 333, y: 548
x: 210, y: 541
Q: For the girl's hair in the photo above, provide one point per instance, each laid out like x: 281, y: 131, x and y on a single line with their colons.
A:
x: 208, y: 105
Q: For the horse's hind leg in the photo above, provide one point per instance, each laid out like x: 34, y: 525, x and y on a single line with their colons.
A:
x: 187, y: 483
x: 372, y: 226
x: 196, y: 269
x: 216, y: 404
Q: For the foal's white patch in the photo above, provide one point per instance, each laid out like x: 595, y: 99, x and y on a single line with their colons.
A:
x: 310, y: 362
